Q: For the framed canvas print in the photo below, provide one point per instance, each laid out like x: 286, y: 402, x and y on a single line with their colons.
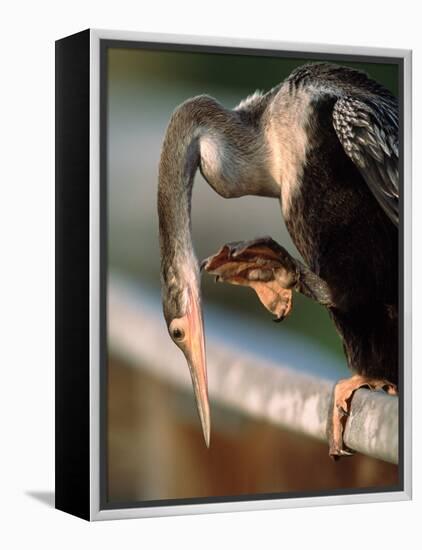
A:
x: 177, y: 395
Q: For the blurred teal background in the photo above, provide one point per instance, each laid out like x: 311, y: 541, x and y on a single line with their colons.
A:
x: 144, y: 87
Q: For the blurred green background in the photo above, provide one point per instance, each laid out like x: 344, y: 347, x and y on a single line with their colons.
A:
x: 143, y: 89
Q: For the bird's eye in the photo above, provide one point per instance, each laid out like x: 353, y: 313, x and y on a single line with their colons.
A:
x: 178, y: 334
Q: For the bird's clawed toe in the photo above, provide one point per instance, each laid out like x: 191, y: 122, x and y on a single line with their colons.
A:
x: 339, y: 452
x: 261, y: 264
x: 388, y: 387
x: 340, y: 406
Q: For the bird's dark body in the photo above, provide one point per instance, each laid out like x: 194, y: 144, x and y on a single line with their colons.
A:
x: 347, y: 239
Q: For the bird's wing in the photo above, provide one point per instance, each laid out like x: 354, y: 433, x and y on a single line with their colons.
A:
x: 368, y: 132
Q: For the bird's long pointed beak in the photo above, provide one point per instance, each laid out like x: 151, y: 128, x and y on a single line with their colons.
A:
x: 195, y: 356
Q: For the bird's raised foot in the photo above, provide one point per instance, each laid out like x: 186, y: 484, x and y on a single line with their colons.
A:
x: 261, y: 264
x: 341, y: 405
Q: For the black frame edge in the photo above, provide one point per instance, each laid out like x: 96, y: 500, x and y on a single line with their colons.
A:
x: 72, y: 451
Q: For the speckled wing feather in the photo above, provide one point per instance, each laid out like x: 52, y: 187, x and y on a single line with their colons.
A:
x: 368, y: 132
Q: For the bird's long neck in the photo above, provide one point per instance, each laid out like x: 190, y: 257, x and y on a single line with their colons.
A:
x: 201, y: 133
x: 229, y: 152
x: 178, y: 164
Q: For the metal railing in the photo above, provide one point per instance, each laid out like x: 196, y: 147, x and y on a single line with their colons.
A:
x: 246, y: 383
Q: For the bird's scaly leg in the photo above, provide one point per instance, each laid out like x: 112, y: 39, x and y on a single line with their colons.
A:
x: 270, y: 270
x: 340, y: 409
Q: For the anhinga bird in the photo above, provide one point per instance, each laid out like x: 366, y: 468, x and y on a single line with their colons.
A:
x: 325, y: 143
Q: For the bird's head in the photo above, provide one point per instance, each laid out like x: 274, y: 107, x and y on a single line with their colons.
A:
x: 183, y: 314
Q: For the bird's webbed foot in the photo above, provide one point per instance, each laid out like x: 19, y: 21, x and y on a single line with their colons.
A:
x: 340, y: 408
x: 261, y: 264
